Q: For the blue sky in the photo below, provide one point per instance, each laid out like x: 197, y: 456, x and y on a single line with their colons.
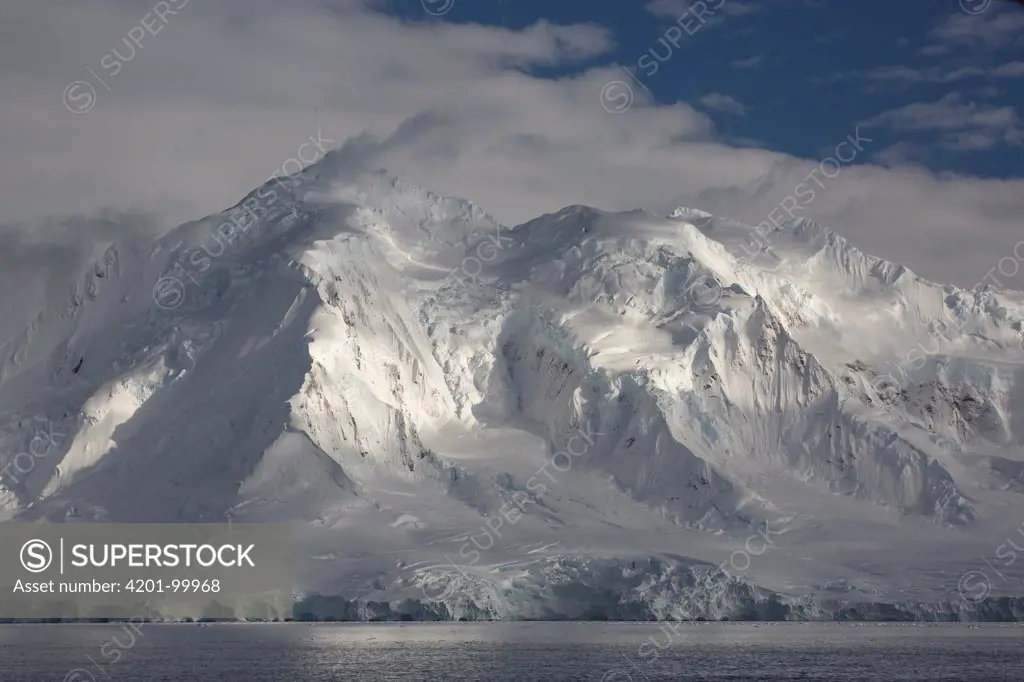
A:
x: 791, y: 75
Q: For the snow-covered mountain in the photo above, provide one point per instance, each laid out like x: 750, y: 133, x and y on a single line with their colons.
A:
x: 590, y: 415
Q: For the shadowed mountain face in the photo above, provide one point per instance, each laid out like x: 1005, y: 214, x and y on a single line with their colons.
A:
x: 590, y: 414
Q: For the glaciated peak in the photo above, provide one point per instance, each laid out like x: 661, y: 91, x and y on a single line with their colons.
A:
x: 809, y: 228
x: 687, y: 213
x: 573, y: 212
x: 563, y: 227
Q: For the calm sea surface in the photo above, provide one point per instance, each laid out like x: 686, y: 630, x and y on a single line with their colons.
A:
x: 609, y: 652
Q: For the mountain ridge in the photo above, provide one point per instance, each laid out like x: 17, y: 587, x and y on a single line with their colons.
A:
x: 389, y: 370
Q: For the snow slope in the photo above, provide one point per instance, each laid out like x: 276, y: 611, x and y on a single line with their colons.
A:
x: 591, y: 415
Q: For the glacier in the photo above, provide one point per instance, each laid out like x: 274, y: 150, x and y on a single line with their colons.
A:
x: 591, y: 415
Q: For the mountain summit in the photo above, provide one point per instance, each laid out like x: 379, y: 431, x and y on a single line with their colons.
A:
x: 590, y: 415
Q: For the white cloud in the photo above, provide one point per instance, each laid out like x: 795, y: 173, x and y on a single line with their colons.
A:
x: 949, y: 113
x: 724, y: 103
x: 996, y: 28
x: 969, y: 126
x: 902, y: 75
x: 748, y: 63
x: 1010, y: 70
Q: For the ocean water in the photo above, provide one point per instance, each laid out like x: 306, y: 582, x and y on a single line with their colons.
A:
x: 606, y: 652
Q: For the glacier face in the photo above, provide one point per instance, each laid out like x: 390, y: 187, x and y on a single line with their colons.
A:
x: 590, y: 415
